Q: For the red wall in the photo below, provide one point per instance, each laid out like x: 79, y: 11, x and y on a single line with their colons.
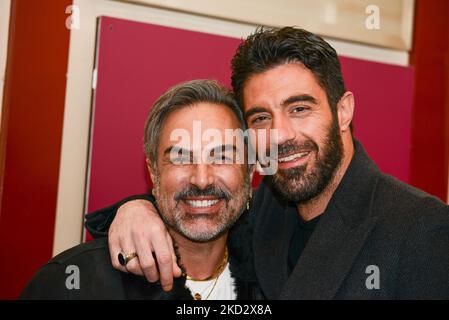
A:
x: 31, y: 139
x: 430, y: 123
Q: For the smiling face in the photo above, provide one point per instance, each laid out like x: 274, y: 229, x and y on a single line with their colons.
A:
x: 289, y: 98
x: 199, y: 198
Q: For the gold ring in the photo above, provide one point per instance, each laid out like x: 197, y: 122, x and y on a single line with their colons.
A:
x: 125, y: 258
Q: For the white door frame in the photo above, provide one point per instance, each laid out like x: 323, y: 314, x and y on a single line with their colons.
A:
x: 5, y: 13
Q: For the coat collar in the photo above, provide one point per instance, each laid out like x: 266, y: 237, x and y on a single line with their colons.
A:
x: 332, y: 248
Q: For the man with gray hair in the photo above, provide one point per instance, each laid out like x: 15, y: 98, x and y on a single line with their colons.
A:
x: 199, y: 199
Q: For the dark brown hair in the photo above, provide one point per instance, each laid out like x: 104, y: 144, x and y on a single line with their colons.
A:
x: 270, y: 47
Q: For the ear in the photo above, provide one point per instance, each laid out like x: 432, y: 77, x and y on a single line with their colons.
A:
x: 345, y: 111
x: 151, y: 170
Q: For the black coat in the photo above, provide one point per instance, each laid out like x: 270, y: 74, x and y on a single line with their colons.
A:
x: 371, y: 220
x: 99, y: 280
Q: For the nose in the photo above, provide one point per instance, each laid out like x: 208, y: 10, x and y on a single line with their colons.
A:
x: 202, y: 176
x: 285, y: 131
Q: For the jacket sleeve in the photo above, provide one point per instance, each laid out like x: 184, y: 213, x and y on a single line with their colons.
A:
x: 47, y: 284
x: 424, y: 260
x: 98, y: 222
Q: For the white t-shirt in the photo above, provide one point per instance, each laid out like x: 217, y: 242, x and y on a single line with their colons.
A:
x: 224, y: 288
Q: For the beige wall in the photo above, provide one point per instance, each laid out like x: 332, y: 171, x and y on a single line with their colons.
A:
x: 341, y: 19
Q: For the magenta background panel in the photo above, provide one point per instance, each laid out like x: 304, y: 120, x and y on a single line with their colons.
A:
x: 383, y: 112
x: 137, y: 62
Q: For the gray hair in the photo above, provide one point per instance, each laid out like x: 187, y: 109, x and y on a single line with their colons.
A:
x: 184, y: 95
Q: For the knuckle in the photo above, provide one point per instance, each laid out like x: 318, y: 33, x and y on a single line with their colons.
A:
x: 142, y: 233
x: 112, y: 233
x: 121, y: 238
x: 133, y: 269
x: 157, y: 228
x: 137, y: 233
x: 152, y: 277
x: 112, y: 243
x: 148, y: 265
x: 116, y: 264
x: 130, y: 268
x: 165, y: 259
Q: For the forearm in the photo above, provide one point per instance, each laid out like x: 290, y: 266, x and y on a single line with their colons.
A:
x: 98, y: 222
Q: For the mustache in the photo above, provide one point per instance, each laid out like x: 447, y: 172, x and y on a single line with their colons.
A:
x: 291, y: 147
x: 194, y: 191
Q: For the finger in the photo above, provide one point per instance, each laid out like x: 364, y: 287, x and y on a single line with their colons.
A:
x: 177, y: 272
x: 114, y: 250
x: 133, y: 265
x: 147, y: 263
x: 164, y: 260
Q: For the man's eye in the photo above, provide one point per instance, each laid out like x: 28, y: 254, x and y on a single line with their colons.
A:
x: 221, y: 159
x: 298, y: 109
x: 260, y: 119
x: 180, y: 160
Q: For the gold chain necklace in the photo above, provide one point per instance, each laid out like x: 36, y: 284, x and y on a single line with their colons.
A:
x: 197, y: 296
x: 216, y: 274
x: 217, y: 271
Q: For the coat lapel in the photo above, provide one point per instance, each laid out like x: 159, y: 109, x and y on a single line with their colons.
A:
x: 327, y: 258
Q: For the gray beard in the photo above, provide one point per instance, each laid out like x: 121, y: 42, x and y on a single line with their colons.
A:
x: 235, y: 208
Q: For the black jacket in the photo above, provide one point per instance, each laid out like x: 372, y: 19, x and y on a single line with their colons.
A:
x: 372, y: 220
x: 99, y: 280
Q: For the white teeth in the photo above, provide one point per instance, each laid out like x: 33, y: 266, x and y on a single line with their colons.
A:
x: 201, y: 203
x: 293, y: 157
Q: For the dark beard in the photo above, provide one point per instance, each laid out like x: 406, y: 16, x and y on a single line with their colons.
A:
x: 294, y: 184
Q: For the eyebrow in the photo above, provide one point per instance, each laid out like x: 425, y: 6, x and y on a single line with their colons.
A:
x: 299, y: 98
x: 224, y: 148
x: 254, y: 110
x: 220, y: 148
x: 286, y: 102
x: 176, y: 149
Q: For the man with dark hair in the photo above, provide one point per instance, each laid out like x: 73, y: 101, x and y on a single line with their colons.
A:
x: 328, y: 224
x: 198, y: 200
